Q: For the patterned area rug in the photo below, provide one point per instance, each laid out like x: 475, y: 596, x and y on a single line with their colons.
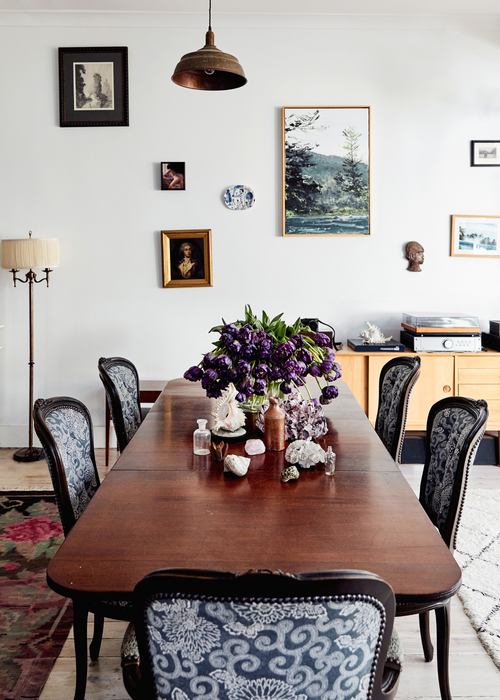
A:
x: 34, y: 621
x: 478, y: 553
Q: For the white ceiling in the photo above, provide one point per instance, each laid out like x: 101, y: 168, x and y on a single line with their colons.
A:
x: 283, y: 7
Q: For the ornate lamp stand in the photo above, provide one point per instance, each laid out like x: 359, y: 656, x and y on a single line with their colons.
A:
x: 30, y: 253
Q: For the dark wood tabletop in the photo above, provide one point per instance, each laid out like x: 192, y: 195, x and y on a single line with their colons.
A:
x: 162, y: 506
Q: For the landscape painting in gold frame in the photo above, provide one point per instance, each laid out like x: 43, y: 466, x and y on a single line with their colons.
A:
x: 475, y: 236
x: 326, y: 171
x: 187, y: 258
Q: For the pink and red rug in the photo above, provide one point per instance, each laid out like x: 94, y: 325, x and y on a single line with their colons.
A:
x: 34, y: 621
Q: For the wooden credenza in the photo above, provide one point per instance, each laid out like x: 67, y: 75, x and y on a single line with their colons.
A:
x: 476, y: 375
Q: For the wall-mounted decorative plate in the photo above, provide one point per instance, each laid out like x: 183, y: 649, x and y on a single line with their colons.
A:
x: 239, y: 197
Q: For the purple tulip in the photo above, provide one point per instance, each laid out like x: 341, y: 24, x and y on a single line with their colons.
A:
x: 297, y: 340
x: 330, y: 392
x: 223, y: 362
x: 321, y: 340
x: 233, y: 348
x: 193, y: 374
x: 301, y: 368
x: 207, y: 361
x: 260, y: 371
x: 315, y: 371
x: 304, y: 355
x: 229, y: 329
x: 286, y: 388
x: 260, y: 387
x: 326, y: 366
x: 241, y: 397
x: 275, y: 374
x: 244, y: 334
x: 282, y: 352
x: 248, y: 352
x: 243, y: 368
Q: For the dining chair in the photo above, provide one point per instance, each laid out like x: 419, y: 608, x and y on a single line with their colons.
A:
x: 261, y: 634
x: 397, y: 380
x: 455, y: 427
x: 64, y: 427
x: 121, y: 384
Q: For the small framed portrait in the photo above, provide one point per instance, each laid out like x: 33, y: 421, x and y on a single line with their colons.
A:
x: 173, y: 176
x: 187, y: 258
x: 93, y: 86
x: 484, y: 153
x: 475, y: 236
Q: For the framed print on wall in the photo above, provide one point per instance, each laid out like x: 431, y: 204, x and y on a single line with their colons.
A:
x: 93, y: 86
x: 173, y: 176
x: 484, y: 153
x: 326, y: 171
x: 475, y: 236
x: 187, y: 258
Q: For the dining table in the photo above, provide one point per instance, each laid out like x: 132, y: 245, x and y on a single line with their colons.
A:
x: 161, y: 506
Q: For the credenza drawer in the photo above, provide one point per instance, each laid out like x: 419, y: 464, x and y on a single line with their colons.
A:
x: 474, y: 362
x: 478, y: 376
x: 491, y: 394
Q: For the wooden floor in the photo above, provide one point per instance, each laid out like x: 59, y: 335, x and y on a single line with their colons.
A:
x: 472, y: 672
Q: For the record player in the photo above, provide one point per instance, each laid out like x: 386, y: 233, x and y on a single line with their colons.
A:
x: 446, y: 332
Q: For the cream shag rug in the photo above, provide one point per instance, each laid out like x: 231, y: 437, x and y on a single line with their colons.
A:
x: 478, y: 554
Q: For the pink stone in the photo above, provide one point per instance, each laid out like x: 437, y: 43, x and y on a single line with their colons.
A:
x: 254, y: 447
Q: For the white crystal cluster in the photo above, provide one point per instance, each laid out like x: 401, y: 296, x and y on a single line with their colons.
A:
x: 304, y: 453
x: 304, y: 418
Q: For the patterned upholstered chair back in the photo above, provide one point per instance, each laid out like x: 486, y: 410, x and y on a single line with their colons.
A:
x: 64, y: 427
x: 455, y: 427
x: 397, y: 379
x: 264, y: 635
x: 121, y: 383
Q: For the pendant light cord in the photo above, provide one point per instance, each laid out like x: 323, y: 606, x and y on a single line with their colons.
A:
x: 210, y: 15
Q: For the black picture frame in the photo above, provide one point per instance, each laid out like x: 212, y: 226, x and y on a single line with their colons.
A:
x: 484, y: 154
x: 91, y: 101
x: 173, y: 175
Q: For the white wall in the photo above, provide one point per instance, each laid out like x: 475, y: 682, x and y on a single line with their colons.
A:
x: 433, y: 86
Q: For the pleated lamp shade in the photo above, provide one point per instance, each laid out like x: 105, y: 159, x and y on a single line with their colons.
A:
x: 28, y: 253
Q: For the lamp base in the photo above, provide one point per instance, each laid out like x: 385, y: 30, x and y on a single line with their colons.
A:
x: 29, y: 454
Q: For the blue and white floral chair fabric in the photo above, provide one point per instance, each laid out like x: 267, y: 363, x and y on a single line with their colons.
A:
x: 238, y: 647
x: 121, y: 383
x: 64, y: 427
x: 396, y: 383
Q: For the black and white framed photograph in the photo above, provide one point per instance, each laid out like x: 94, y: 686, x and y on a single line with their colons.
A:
x: 93, y: 86
x: 173, y: 176
x: 485, y: 153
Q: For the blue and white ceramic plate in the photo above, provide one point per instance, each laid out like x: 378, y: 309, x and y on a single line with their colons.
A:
x: 239, y: 197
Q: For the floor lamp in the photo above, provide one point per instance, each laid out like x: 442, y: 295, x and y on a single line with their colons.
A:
x: 21, y: 254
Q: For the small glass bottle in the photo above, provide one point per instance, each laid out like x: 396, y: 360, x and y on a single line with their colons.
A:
x: 330, y: 458
x: 201, y: 438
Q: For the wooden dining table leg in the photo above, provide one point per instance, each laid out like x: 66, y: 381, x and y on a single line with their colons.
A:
x: 425, y: 636
x: 80, y: 617
x: 443, y: 649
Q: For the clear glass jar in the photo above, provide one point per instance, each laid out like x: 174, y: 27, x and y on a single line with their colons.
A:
x: 201, y: 438
x: 330, y: 459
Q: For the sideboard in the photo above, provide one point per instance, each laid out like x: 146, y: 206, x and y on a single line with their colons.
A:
x: 476, y: 375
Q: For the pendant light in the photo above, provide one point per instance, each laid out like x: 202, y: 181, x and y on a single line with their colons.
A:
x: 209, y: 68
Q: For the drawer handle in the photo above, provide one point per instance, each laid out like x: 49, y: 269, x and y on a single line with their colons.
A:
x: 447, y: 389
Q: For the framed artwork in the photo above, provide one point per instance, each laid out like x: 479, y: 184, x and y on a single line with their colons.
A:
x: 93, y: 86
x: 173, y: 176
x: 475, y: 236
x: 484, y: 153
x: 326, y: 171
x: 187, y: 258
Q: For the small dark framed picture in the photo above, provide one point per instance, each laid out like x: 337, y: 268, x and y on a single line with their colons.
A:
x: 173, y: 176
x: 187, y: 258
x: 484, y: 153
x: 93, y: 86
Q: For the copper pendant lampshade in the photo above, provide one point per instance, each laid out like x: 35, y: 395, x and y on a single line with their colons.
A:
x: 209, y: 68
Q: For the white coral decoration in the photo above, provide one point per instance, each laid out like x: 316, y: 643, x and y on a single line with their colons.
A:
x: 373, y: 334
x: 227, y: 412
x: 304, y: 453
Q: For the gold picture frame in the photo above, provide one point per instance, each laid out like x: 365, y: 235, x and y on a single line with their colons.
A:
x: 187, y: 258
x: 475, y: 236
x: 326, y: 171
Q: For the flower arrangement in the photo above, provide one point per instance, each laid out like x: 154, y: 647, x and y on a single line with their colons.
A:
x: 266, y: 357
